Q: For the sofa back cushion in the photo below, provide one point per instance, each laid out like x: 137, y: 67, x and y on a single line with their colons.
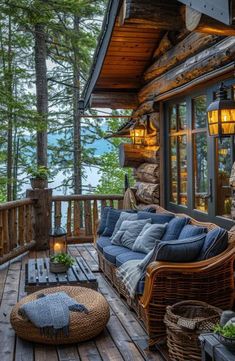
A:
x: 133, y: 230
x: 148, y: 237
x: 180, y: 250
x: 174, y: 228
x: 111, y: 220
x: 191, y: 231
x: 103, y: 219
x: 159, y: 218
x: 215, y: 243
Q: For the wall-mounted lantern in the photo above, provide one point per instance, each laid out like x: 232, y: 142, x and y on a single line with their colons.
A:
x: 221, y: 115
x: 138, y: 133
x: 58, y: 241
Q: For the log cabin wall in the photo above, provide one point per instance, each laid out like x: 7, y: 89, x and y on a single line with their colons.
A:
x: 153, y: 53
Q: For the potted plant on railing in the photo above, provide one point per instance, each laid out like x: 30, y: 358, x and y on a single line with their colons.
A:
x: 39, y: 176
x: 60, y: 263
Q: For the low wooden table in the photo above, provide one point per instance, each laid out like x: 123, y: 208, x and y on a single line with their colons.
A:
x: 38, y: 276
x: 213, y: 350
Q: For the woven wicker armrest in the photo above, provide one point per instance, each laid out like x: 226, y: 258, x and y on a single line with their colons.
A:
x: 214, y: 266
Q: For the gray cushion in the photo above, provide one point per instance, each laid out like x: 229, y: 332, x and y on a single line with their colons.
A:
x: 124, y: 216
x: 132, y: 232
x: 174, y: 228
x: 102, y: 242
x: 150, y: 234
x: 215, y: 243
x: 128, y: 256
x: 183, y: 250
x: 111, y: 220
x: 156, y: 217
x: 111, y: 252
x: 191, y: 231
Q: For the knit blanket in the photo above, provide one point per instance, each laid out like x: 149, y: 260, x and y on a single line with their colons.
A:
x: 50, y: 312
x: 130, y: 274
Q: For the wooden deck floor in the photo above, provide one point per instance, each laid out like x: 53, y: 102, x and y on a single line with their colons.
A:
x: 124, y: 339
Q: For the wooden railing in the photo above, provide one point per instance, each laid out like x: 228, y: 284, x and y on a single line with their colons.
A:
x: 79, y: 214
x: 16, y: 228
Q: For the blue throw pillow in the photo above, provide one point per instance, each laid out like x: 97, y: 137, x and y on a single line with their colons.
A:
x: 191, y: 231
x: 124, y: 216
x: 133, y: 230
x: 103, y: 218
x: 160, y: 218
x: 111, y: 220
x: 183, y: 250
x: 215, y: 243
x: 174, y: 228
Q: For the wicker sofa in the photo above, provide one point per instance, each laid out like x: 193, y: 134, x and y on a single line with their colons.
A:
x: 166, y: 283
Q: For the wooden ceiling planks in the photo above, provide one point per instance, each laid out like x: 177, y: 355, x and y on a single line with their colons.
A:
x: 129, y: 54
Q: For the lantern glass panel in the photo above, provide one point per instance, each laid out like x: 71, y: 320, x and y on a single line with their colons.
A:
x: 213, y: 121
x: 227, y: 121
x: 137, y: 134
x: 58, y: 245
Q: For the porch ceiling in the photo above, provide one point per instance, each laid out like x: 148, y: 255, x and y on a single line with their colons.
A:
x: 124, y: 55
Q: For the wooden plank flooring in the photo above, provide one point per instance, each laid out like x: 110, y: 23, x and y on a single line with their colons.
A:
x: 124, y: 339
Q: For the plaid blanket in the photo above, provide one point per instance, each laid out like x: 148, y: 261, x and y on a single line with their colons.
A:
x: 130, y: 274
x: 50, y: 313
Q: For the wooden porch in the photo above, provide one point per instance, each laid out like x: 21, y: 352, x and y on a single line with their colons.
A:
x: 123, y: 339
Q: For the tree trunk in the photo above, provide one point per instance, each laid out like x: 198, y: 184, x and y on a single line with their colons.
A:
x: 76, y: 117
x: 9, y: 86
x: 41, y: 92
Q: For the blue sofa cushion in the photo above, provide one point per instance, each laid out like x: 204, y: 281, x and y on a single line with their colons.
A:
x: 150, y: 234
x: 156, y: 217
x: 128, y: 256
x: 174, y: 228
x: 103, y: 218
x: 111, y: 220
x: 103, y: 242
x: 215, y: 243
x: 140, y: 286
x: 191, y: 231
x: 180, y: 250
x: 111, y: 252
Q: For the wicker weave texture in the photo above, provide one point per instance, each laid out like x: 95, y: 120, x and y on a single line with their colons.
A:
x: 185, y: 321
x: 82, y: 326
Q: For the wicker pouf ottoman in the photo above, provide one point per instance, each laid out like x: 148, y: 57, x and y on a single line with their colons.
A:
x: 81, y: 327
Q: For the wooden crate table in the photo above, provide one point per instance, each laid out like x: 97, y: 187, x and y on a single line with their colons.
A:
x: 38, y: 276
x: 213, y: 350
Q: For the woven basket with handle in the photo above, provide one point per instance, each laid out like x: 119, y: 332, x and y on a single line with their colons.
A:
x: 185, y: 321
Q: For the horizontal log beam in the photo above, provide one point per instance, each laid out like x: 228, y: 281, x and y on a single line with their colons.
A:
x: 159, y: 14
x: 16, y: 204
x: 132, y: 156
x: 196, y: 21
x: 114, y: 100
x: 81, y: 197
x: 202, y: 63
x: 17, y: 252
x: 191, y: 44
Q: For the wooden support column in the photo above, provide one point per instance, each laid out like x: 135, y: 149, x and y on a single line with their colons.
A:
x: 41, y: 216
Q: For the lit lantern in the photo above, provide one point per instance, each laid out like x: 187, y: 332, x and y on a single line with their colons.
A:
x: 138, y: 133
x: 221, y: 115
x: 58, y: 241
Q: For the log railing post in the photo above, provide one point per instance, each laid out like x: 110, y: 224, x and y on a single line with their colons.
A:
x: 41, y: 215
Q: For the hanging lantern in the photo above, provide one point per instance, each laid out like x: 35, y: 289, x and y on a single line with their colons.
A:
x: 138, y: 133
x: 221, y: 115
x: 58, y: 241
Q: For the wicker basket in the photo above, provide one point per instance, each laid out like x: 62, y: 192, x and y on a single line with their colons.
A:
x: 185, y: 321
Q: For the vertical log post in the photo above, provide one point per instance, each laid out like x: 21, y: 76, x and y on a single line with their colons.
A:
x: 41, y: 215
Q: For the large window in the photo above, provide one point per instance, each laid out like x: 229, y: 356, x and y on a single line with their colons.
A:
x: 178, y: 153
x: 199, y: 166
